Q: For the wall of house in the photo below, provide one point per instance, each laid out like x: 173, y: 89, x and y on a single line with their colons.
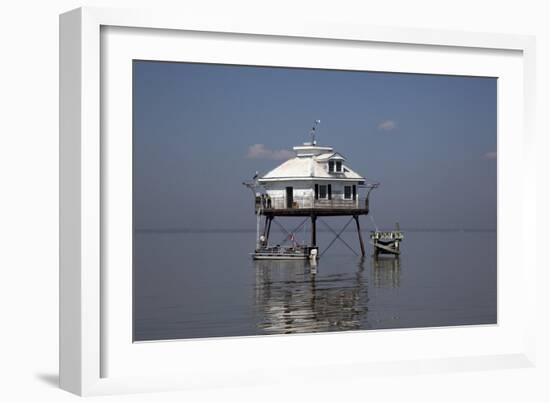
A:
x: 304, y: 192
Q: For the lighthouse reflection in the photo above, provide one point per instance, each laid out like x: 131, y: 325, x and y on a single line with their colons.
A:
x: 294, y: 297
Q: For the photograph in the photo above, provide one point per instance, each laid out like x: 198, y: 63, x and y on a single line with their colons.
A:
x: 209, y: 201
x: 275, y: 200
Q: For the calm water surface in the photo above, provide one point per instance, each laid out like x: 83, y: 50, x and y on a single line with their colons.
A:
x: 189, y: 285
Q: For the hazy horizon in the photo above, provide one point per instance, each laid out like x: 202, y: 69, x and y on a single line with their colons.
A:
x: 253, y: 229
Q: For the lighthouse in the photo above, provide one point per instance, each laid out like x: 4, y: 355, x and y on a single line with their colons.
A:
x: 317, y: 182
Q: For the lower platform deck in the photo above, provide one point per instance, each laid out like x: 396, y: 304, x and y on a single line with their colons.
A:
x: 308, y: 212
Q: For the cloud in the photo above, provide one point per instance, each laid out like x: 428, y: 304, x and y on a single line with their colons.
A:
x: 491, y: 155
x: 387, y: 125
x: 260, y: 151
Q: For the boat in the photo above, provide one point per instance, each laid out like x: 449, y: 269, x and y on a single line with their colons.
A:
x: 387, y: 242
x: 278, y: 252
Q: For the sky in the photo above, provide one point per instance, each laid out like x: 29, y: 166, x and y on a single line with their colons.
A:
x: 200, y: 130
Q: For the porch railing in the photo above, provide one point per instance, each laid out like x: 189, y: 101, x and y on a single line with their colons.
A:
x: 298, y: 202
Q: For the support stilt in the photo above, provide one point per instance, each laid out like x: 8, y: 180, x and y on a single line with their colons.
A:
x: 313, y: 231
x: 361, y: 243
x: 265, y: 225
x: 268, y: 228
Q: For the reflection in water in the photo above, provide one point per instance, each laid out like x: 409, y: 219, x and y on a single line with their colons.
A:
x: 293, y: 297
x: 184, y: 288
x: 386, y: 272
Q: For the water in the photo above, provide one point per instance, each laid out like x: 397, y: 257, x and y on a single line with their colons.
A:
x: 192, y: 285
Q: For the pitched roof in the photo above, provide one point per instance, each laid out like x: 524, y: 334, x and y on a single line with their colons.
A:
x: 331, y: 155
x: 309, y: 167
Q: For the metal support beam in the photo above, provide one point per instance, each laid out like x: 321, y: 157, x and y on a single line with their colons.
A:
x: 265, y: 225
x: 313, y: 230
x: 337, y: 236
x: 361, y: 243
x: 268, y: 228
x: 287, y: 236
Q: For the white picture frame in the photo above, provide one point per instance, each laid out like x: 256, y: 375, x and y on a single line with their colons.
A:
x: 88, y: 339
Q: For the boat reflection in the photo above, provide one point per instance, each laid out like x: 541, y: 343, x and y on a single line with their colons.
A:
x: 293, y: 297
x: 386, y: 272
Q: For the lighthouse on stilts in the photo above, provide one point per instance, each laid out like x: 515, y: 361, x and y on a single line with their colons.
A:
x: 318, y: 182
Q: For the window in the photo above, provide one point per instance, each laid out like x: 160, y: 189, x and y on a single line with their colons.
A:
x: 347, y: 192
x: 334, y: 166
x: 322, y: 191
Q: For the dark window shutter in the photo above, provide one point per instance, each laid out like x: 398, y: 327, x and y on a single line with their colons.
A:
x: 354, y: 192
x: 316, y: 192
x: 329, y: 191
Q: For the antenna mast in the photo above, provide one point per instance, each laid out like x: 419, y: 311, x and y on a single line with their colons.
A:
x: 312, y: 132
